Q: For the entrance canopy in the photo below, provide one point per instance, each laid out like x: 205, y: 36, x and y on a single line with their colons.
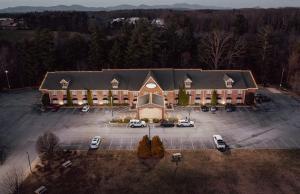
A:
x: 150, y: 99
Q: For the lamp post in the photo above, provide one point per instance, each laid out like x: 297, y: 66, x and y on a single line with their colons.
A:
x: 280, y: 85
x: 6, y: 73
x: 149, y: 131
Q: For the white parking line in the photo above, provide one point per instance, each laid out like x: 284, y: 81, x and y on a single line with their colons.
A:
x: 131, y: 144
x: 111, y: 140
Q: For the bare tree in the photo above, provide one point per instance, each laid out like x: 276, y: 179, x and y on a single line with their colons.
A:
x: 47, y: 144
x: 13, y: 180
x: 219, y: 48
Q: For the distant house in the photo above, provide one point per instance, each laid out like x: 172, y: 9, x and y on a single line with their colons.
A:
x: 149, y: 91
x: 117, y: 20
x: 8, y: 24
x: 133, y: 20
x: 158, y: 22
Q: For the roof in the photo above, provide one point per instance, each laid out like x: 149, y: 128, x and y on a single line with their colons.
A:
x: 134, y: 79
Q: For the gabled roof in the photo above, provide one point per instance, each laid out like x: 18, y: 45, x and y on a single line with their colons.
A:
x: 227, y: 78
x: 134, y: 79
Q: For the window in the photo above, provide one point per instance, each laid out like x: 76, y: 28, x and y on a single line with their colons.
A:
x: 94, y: 92
x: 125, y: 92
x: 229, y: 84
x: 240, y: 91
x: 188, y: 92
x: 219, y: 91
x: 73, y: 92
x: 115, y: 92
x: 176, y: 92
x: 105, y: 92
x: 198, y: 91
x: 166, y: 93
x: 229, y: 91
x: 54, y: 93
x: 208, y: 91
x: 83, y: 92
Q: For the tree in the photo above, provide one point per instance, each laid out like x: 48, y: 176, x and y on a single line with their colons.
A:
x: 45, y: 99
x: 183, y: 97
x: 12, y: 182
x: 264, y: 37
x: 116, y: 56
x: 97, y: 49
x: 69, y: 98
x: 89, y: 97
x: 157, y: 148
x: 240, y: 24
x: 144, y: 148
x: 47, y: 144
x: 110, y: 98
x: 214, y: 98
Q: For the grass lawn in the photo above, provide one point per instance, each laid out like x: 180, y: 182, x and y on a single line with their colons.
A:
x: 203, y: 171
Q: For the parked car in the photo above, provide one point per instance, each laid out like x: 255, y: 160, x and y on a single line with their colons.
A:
x: 85, y: 108
x: 229, y: 108
x: 218, y: 140
x: 213, y: 109
x: 95, y: 142
x: 165, y: 123
x: 204, y: 109
x: 185, y: 123
x: 137, y: 123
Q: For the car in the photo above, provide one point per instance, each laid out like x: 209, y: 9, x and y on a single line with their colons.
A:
x: 213, y: 109
x: 185, y: 123
x: 136, y: 123
x: 165, y: 123
x: 95, y: 142
x: 204, y: 109
x: 229, y: 108
x: 219, y: 142
x: 85, y: 108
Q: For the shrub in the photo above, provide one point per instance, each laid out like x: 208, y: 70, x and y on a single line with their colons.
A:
x: 145, y: 119
x: 144, y: 148
x: 126, y: 120
x: 46, y: 99
x: 156, y: 120
x: 116, y: 121
x: 157, y: 148
x: 173, y: 119
x: 183, y: 97
x: 214, y: 99
x: 69, y: 98
x: 89, y: 97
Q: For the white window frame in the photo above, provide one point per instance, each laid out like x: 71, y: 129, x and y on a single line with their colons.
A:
x: 115, y: 92
x: 219, y: 91
x: 229, y: 92
x: 54, y: 93
x: 125, y: 92
x: 208, y: 91
x: 240, y: 91
x: 74, y: 92
x: 198, y: 92
x: 94, y: 92
x: 83, y: 92
x: 105, y: 92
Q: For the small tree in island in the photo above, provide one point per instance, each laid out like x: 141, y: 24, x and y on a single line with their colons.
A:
x: 150, y: 149
x: 69, y: 98
x: 89, y: 97
x: 214, y: 99
x: 47, y: 144
x: 157, y: 147
x: 183, y: 97
x: 144, y: 148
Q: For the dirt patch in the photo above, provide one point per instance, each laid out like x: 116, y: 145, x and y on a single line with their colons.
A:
x: 203, y: 171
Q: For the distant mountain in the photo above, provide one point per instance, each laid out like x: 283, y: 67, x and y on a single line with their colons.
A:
x: 178, y: 6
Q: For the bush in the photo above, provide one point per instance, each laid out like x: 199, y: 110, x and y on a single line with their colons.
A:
x: 157, y: 148
x: 145, y: 119
x: 173, y: 119
x: 156, y: 120
x: 144, y: 148
x: 116, y: 121
x: 46, y: 99
x: 126, y: 120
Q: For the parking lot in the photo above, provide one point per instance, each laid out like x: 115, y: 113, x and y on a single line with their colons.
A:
x: 271, y: 125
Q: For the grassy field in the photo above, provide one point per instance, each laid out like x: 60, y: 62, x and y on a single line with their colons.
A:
x: 204, y: 171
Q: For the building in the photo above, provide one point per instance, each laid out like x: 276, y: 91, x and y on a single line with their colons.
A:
x: 150, y: 92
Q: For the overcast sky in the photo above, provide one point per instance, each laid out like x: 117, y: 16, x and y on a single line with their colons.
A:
x: 105, y: 3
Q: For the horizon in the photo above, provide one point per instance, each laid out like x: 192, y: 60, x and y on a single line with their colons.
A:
x: 94, y: 3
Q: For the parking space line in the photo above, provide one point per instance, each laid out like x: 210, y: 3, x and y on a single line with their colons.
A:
x: 111, y: 140
x: 171, y: 142
x: 131, y: 144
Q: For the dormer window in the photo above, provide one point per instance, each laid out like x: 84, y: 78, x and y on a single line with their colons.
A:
x: 115, y: 83
x: 64, y: 83
x: 187, y: 83
x: 228, y: 81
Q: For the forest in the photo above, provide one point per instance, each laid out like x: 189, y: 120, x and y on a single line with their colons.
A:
x: 266, y: 41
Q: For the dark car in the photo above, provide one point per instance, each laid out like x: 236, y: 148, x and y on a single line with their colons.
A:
x: 165, y: 123
x: 229, y: 108
x: 204, y: 109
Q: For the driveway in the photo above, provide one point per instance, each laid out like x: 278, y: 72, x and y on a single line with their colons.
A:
x: 272, y: 125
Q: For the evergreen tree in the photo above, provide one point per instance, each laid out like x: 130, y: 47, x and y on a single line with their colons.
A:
x: 89, y: 98
x: 157, y: 148
x: 183, y: 97
x: 45, y: 99
x: 116, y: 55
x: 144, y: 148
x: 69, y: 98
x: 110, y: 98
x: 240, y: 24
x: 97, y: 50
x: 214, y: 98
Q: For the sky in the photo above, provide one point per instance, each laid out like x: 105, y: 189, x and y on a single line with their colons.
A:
x: 105, y: 3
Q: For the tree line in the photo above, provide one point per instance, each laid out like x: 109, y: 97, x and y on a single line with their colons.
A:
x: 264, y: 41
